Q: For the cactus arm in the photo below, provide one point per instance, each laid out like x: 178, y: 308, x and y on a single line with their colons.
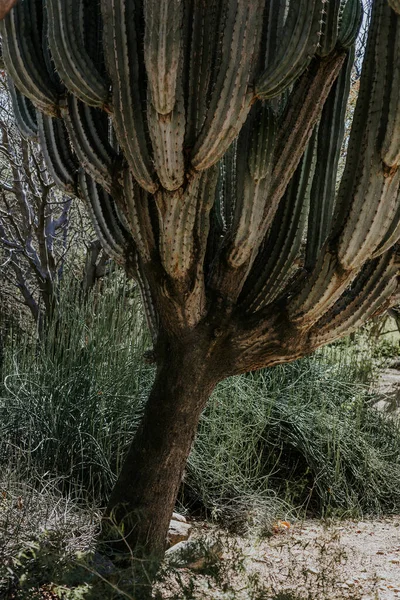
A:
x: 370, y: 291
x: 150, y: 310
x: 21, y: 47
x: 298, y: 43
x: 275, y: 261
x: 229, y: 192
x: 177, y: 213
x: 24, y: 111
x: 121, y: 51
x: 88, y: 130
x: 167, y: 134
x: 207, y: 195
x: 371, y: 190
x: 137, y: 211
x: 329, y: 29
x: 201, y: 46
x: 391, y: 144
x: 302, y: 113
x: 67, y: 45
x: 231, y: 97
x: 57, y: 153
x: 393, y: 233
x: 330, y: 138
x: 226, y: 193
x: 375, y: 204
x: 165, y: 106
x: 163, y: 51
x: 350, y: 20
x: 274, y: 23
x: 254, y: 166
x: 105, y: 220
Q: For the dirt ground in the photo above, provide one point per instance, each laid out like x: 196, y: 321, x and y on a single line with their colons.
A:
x: 311, y: 560
x: 346, y: 559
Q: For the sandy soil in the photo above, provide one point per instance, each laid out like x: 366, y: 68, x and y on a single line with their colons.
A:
x: 343, y: 560
x: 312, y: 560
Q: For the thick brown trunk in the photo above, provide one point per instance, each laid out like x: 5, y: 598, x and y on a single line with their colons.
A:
x: 144, y: 496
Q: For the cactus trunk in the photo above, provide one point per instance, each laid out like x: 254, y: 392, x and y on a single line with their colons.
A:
x: 145, y: 493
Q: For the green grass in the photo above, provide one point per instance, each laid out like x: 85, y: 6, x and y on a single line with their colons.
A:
x: 69, y: 405
x: 303, y: 434
x: 295, y: 437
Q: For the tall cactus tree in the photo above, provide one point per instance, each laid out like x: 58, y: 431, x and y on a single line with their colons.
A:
x: 204, y: 136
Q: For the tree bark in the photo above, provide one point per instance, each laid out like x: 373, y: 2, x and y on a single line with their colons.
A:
x: 144, y: 496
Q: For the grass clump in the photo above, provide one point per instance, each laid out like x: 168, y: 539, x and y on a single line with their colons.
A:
x: 301, y: 435
x: 297, y: 436
x: 69, y: 403
x: 302, y: 438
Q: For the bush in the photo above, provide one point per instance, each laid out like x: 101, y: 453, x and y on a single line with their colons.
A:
x: 304, y: 433
x: 297, y: 436
x: 69, y: 404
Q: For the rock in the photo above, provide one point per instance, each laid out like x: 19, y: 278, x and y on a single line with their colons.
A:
x: 194, y: 554
x: 177, y: 517
x: 178, y: 532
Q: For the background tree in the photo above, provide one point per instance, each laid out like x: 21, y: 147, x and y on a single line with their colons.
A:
x: 205, y: 140
x: 42, y: 231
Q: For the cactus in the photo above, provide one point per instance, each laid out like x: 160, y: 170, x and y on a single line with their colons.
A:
x: 204, y: 136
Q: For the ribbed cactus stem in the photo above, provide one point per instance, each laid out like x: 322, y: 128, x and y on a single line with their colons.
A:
x: 67, y: 44
x: 300, y: 40
x: 21, y: 34
x: 24, y: 111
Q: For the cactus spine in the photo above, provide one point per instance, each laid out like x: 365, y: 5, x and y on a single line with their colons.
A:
x: 204, y: 136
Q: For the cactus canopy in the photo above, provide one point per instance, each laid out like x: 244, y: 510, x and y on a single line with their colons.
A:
x: 205, y: 137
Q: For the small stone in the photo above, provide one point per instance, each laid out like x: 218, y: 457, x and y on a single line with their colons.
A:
x: 395, y: 561
x: 350, y: 583
x: 193, y: 554
x: 177, y: 517
x: 313, y: 571
x: 178, y: 532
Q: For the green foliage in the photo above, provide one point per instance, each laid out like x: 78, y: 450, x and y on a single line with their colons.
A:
x: 304, y: 433
x: 69, y: 403
x: 301, y: 435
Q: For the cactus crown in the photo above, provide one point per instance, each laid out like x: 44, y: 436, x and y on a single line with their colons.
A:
x: 205, y: 136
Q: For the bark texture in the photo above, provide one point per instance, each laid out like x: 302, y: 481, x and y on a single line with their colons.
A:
x: 144, y: 496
